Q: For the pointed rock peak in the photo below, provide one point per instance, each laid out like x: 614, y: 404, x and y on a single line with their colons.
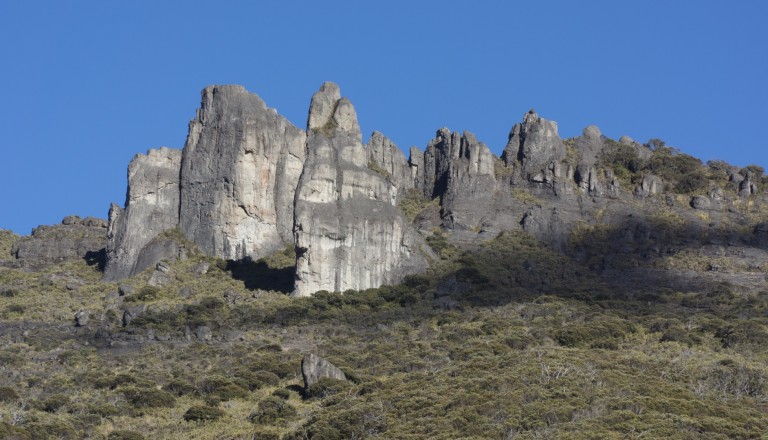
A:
x: 530, y: 117
x: 323, y: 106
x: 345, y: 117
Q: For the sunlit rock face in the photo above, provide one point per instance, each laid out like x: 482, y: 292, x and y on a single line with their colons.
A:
x: 348, y: 233
x: 151, y: 207
x: 239, y: 172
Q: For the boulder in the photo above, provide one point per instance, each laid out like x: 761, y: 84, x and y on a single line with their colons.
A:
x: 649, y: 186
x: 81, y: 318
x: 314, y: 368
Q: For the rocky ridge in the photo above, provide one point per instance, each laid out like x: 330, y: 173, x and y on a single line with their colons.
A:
x: 249, y: 183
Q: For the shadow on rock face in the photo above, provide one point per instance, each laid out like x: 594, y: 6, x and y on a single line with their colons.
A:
x: 258, y: 275
x: 97, y: 258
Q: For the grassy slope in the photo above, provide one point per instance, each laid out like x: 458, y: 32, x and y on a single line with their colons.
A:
x: 539, y: 348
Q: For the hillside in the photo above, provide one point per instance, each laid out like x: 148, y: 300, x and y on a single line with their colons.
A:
x: 577, y: 288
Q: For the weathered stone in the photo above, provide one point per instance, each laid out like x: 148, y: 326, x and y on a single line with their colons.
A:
x: 460, y: 170
x: 314, y: 368
x: 239, y: 173
x: 203, y: 333
x: 649, y: 186
x: 200, y: 268
x: 133, y: 312
x: 71, y: 220
x: 701, y: 202
x: 539, y: 144
x: 81, y: 318
x: 348, y: 234
x: 151, y: 207
x: 161, y: 276
x: 126, y: 290
x: 387, y: 159
x: 72, y: 241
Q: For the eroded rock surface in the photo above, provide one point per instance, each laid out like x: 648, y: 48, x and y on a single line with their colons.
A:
x: 239, y: 173
x: 75, y: 238
x: 151, y: 207
x: 314, y: 368
x: 348, y: 233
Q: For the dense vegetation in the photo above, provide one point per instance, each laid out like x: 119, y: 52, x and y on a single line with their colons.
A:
x: 522, y: 342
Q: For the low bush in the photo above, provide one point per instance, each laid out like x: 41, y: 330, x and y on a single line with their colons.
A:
x: 8, y: 395
x: 199, y: 413
x: 273, y: 410
x: 148, y: 398
x: 125, y: 435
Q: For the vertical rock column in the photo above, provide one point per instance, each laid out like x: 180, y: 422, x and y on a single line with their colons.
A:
x: 347, y: 232
x: 151, y: 207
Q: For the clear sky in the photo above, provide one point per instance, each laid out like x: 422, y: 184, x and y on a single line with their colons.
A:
x: 88, y: 84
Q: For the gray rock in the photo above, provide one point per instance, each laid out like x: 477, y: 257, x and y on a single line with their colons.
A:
x: 701, y: 202
x: 200, y: 268
x: 133, y: 312
x: 151, y: 207
x: 58, y: 243
x: 239, y: 173
x: 385, y: 157
x: 126, y: 290
x: 445, y: 303
x: 93, y: 222
x: 81, y: 318
x: 747, y: 187
x: 203, y: 333
x: 314, y: 368
x: 460, y: 171
x: 160, y: 277
x: 649, y: 186
x: 539, y: 144
x: 71, y: 220
x: 348, y: 234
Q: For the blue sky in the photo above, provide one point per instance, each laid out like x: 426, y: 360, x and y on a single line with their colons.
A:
x: 88, y: 84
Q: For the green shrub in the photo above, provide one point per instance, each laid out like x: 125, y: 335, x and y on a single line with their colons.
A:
x: 8, y: 395
x: 54, y: 403
x: 282, y: 393
x: 327, y: 387
x: 273, y: 410
x: 199, y: 413
x: 180, y: 387
x: 221, y: 388
x: 149, y: 398
x: 10, y: 432
x: 125, y: 435
x: 254, y: 380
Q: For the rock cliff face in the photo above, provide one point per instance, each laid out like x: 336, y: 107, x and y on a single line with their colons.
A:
x: 151, y: 207
x: 460, y: 171
x: 387, y: 159
x: 348, y: 233
x: 239, y: 172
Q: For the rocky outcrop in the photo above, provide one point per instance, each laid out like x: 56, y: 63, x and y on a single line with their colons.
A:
x: 75, y: 238
x: 649, y: 186
x: 314, y: 368
x: 387, y: 159
x: 348, y: 233
x: 239, y: 173
x: 151, y: 207
x: 538, y: 146
x: 460, y: 171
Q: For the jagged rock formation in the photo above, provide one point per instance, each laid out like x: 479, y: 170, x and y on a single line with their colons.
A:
x: 239, y: 172
x: 460, y: 171
x: 248, y: 183
x: 314, y: 368
x: 348, y: 233
x: 74, y: 238
x: 151, y: 207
